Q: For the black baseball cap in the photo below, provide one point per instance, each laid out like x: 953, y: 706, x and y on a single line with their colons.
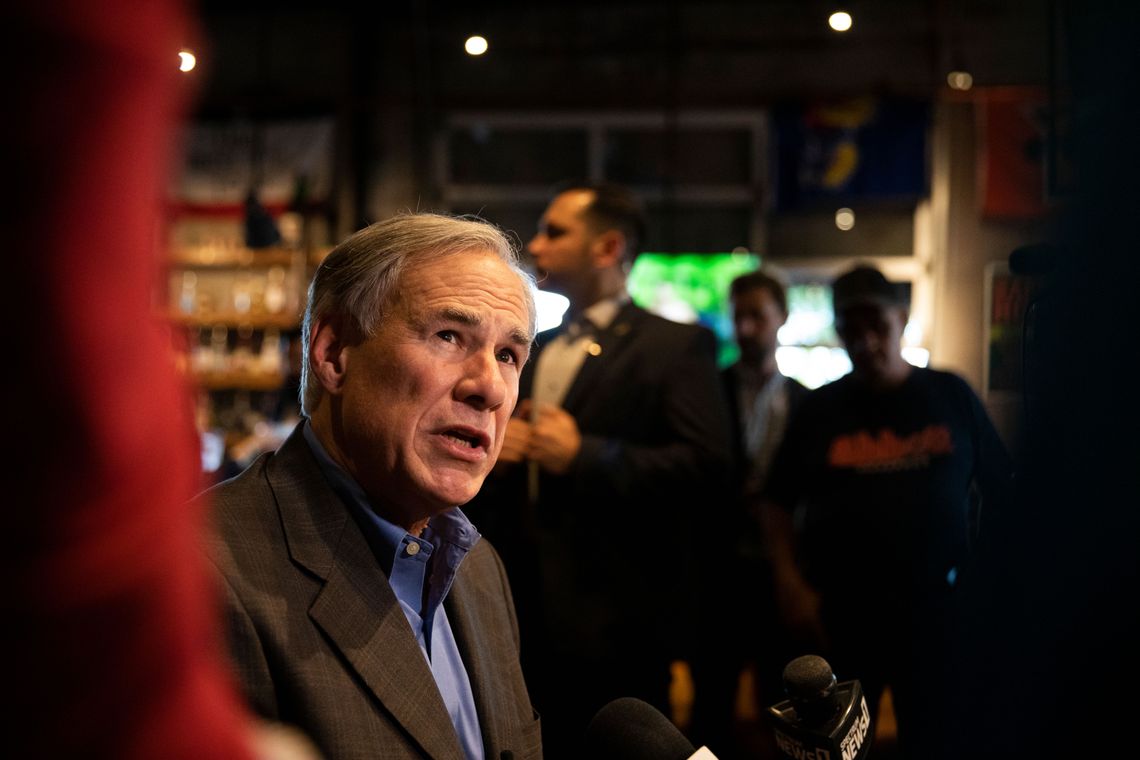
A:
x: 865, y: 286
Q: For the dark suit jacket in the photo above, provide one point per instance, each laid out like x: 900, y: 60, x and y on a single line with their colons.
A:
x: 614, y: 535
x: 320, y: 642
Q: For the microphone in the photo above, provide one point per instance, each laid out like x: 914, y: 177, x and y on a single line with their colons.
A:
x: 821, y: 719
x: 630, y: 729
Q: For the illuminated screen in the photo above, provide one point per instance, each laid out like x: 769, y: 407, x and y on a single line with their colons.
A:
x: 810, y: 350
x: 691, y: 287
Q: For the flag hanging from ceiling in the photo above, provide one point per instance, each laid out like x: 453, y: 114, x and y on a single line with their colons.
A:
x: 862, y: 149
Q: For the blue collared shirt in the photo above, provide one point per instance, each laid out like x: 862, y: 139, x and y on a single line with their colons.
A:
x: 420, y: 571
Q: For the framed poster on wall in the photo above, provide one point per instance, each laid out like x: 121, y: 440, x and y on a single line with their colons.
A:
x: 1008, y: 296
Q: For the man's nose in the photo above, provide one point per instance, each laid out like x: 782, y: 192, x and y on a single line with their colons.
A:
x: 482, y: 384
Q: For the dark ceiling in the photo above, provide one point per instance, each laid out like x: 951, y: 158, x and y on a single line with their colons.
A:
x: 627, y: 55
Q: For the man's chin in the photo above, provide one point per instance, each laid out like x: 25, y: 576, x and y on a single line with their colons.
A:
x: 751, y: 356
x: 868, y: 373
x: 455, y: 494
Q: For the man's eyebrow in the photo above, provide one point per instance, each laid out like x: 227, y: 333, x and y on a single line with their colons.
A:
x: 522, y: 337
x: 518, y: 335
x: 462, y: 316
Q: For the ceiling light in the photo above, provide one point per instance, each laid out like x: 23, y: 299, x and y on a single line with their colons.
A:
x: 475, y: 45
x: 845, y: 219
x: 840, y: 21
x: 959, y: 80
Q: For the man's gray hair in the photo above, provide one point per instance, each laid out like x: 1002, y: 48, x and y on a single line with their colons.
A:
x: 360, y: 278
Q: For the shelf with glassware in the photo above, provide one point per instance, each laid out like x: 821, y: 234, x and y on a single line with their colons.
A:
x: 244, y: 224
x: 236, y: 306
x: 236, y: 314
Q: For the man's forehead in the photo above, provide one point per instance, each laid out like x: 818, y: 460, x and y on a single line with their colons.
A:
x: 474, y: 306
x: 868, y: 312
x: 752, y: 294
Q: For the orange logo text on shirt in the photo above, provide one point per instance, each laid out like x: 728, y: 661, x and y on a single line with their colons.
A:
x: 887, y: 450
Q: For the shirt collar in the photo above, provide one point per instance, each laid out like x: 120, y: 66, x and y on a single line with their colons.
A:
x: 602, y: 313
x: 752, y: 378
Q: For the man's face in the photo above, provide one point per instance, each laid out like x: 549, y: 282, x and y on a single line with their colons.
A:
x: 757, y: 317
x: 426, y: 400
x: 562, y: 247
x: 872, y: 334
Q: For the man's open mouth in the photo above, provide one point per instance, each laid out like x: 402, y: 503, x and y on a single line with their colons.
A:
x: 470, y: 440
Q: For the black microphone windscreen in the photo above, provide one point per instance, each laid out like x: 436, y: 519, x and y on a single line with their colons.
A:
x: 811, y: 686
x: 808, y: 676
x: 630, y: 729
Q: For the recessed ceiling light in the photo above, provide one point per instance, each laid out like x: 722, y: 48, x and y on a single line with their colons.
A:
x: 960, y: 80
x: 475, y: 45
x: 845, y: 219
x: 840, y: 21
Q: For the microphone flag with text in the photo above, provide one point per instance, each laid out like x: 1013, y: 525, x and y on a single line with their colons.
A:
x: 821, y: 719
x: 630, y: 729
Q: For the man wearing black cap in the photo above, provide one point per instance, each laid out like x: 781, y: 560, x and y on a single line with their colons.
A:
x: 880, y: 472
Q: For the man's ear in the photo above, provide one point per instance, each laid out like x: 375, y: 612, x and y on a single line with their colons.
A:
x: 328, y: 354
x: 608, y: 249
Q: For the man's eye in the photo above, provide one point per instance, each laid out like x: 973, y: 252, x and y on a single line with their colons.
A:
x: 448, y: 335
x: 506, y: 356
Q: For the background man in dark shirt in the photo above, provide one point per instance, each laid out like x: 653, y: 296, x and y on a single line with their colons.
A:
x: 883, y: 464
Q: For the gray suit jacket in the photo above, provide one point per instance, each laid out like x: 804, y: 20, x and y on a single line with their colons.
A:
x: 320, y: 642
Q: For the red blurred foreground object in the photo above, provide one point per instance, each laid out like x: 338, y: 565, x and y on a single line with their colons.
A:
x: 110, y: 632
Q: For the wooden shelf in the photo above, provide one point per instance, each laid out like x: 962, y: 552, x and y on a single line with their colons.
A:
x: 233, y: 258
x: 239, y: 380
x: 282, y: 321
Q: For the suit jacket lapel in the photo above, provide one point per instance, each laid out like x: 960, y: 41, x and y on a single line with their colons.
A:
x: 488, y: 684
x: 357, y: 608
x: 611, y: 341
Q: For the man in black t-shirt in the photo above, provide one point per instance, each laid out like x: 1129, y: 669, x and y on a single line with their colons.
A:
x: 878, y: 472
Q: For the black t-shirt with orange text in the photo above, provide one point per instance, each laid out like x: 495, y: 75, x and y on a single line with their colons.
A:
x: 884, y: 480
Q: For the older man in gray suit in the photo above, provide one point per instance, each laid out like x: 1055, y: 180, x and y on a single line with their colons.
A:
x: 362, y: 605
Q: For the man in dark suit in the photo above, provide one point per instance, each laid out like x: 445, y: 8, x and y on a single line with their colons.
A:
x: 362, y: 605
x: 760, y: 402
x: 621, y: 436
